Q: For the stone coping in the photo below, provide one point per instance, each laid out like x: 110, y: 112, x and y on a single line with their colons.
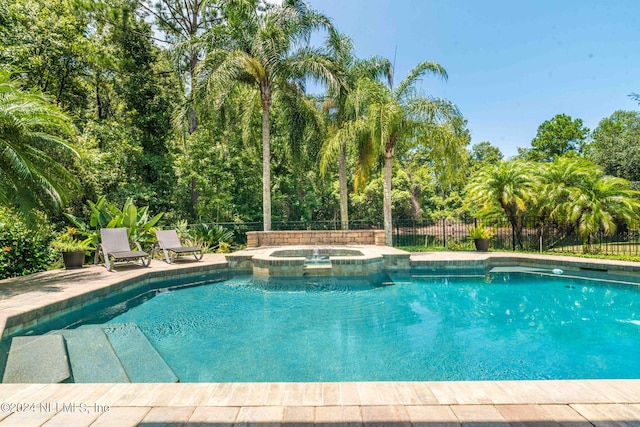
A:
x: 487, y: 260
x: 345, y: 260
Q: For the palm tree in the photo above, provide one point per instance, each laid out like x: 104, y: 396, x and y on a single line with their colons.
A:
x: 351, y: 69
x: 183, y: 23
x: 30, y: 178
x: 504, y: 188
x: 603, y: 200
x: 558, y: 182
x: 265, y: 48
x: 577, y: 191
x: 391, y: 118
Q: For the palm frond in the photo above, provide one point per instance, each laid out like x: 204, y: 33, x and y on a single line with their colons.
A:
x: 32, y: 130
x: 314, y: 63
x: 406, y: 88
x: 374, y: 68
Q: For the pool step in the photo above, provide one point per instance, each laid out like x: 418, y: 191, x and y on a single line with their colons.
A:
x: 37, y: 359
x: 317, y: 270
x: 92, y: 354
x: 138, y: 356
x: 92, y: 358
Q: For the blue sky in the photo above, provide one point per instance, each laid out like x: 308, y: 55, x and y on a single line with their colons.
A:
x: 511, y: 64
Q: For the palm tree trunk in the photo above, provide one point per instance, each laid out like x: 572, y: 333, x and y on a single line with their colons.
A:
x: 342, y: 179
x: 192, y: 118
x: 386, y: 202
x: 266, y: 170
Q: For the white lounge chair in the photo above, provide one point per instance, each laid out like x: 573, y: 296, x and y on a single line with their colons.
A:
x: 171, y: 246
x: 115, y: 247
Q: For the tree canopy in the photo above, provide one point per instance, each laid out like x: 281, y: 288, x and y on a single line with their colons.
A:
x: 616, y: 146
x: 559, y: 136
x: 201, y: 110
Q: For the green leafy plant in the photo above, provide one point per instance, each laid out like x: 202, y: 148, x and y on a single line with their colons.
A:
x: 480, y: 232
x: 224, y: 248
x: 23, y: 251
x: 136, y: 220
x: 211, y: 237
x: 67, y: 242
x: 454, y: 246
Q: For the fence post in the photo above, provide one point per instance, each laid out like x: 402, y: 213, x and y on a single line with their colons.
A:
x: 397, y: 232
x: 513, y: 238
x: 444, y: 233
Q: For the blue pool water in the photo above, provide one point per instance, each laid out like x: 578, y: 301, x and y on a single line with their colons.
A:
x: 485, y: 327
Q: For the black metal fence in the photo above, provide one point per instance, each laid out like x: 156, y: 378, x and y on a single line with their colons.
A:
x: 531, y: 237
x: 454, y: 235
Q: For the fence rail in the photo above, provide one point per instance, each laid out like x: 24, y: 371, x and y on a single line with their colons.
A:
x: 531, y: 237
x: 454, y: 234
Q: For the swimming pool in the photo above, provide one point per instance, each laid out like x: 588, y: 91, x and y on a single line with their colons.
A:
x: 419, y: 326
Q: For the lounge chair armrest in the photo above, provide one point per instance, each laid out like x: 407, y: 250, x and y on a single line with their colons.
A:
x: 188, y: 242
x: 138, y: 246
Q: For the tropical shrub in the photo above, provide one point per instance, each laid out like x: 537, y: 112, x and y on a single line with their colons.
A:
x: 68, y: 242
x: 480, y: 232
x: 105, y: 215
x: 574, y: 193
x: 211, y: 238
x: 504, y: 188
x: 23, y: 251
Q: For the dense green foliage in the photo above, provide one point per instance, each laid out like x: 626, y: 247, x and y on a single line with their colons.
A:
x: 23, y: 251
x: 616, y: 145
x: 556, y: 137
x: 140, y: 227
x: 570, y: 191
x: 199, y: 110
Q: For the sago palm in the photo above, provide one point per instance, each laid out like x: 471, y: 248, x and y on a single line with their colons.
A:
x: 266, y: 49
x: 505, y: 188
x: 339, y: 111
x: 558, y: 183
x: 30, y: 177
x: 599, y: 202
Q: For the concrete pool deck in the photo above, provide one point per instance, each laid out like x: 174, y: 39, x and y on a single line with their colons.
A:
x: 474, y: 403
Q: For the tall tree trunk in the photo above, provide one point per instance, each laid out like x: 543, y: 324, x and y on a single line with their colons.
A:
x: 386, y: 203
x: 266, y: 161
x: 192, y: 118
x: 98, y: 97
x: 342, y: 179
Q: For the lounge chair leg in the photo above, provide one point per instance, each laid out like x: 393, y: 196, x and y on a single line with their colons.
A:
x: 96, y: 259
x: 198, y: 257
x: 166, y: 256
x: 147, y: 263
x: 107, y: 263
